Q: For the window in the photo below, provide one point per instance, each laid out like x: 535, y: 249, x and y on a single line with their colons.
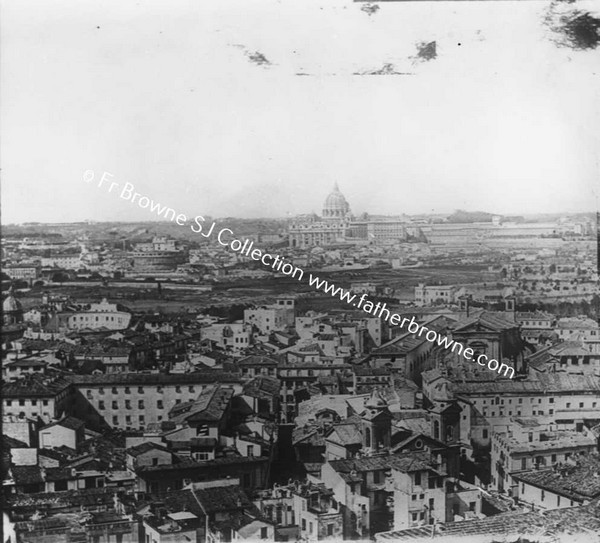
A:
x: 127, y: 390
x: 250, y: 451
x: 568, y: 405
x: 580, y: 404
x: 543, y: 495
x: 523, y: 463
x: 140, y: 390
x: 418, y: 478
x: 304, y: 524
x: 485, y: 433
x: 128, y: 419
x: 100, y: 404
x: 264, y: 532
x: 21, y: 402
x: 159, y: 404
x: 115, y: 405
x: 557, y: 500
x: 472, y: 506
x: 140, y: 404
x: 8, y: 403
x: 33, y: 402
x: 413, y: 497
x: 115, y: 421
x: 114, y: 390
x: 310, y: 527
x: 178, y: 389
x: 191, y: 389
x: 431, y: 503
x: 415, y: 516
x: 376, y: 477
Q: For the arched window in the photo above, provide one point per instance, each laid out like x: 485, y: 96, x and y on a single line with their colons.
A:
x: 449, y: 432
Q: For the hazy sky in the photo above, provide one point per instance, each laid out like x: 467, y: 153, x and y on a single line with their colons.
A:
x: 165, y: 95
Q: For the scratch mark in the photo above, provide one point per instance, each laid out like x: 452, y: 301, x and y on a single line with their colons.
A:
x: 387, y: 69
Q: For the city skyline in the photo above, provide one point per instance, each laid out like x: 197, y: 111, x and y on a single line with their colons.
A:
x: 199, y: 110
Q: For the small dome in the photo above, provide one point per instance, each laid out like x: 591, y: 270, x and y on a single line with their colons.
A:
x: 335, y: 204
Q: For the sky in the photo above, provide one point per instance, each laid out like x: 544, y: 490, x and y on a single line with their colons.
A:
x: 171, y: 97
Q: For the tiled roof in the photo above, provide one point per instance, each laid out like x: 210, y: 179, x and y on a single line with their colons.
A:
x: 27, y: 475
x: 579, y: 482
x: 35, y: 386
x: 553, y: 525
x: 537, y: 315
x: 145, y: 447
x: 71, y: 423
x: 210, y: 406
x: 262, y: 387
x: 190, y: 464
x: 492, y: 320
x: 542, y: 384
x: 405, y: 462
x: 91, y: 497
x: 176, y: 501
x: 577, y: 323
x: 399, y: 346
x: 222, y: 499
x: 346, y: 433
x: 12, y: 443
x: 256, y: 360
x: 308, y: 435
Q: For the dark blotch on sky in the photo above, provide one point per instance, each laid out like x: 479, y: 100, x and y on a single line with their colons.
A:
x: 581, y: 30
x: 426, y: 50
x: 576, y: 29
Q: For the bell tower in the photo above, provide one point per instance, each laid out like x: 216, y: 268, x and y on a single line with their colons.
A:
x: 376, y: 423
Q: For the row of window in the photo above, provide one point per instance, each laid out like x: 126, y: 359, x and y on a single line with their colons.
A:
x: 22, y: 414
x: 140, y: 390
x: 499, y: 401
x: 8, y: 403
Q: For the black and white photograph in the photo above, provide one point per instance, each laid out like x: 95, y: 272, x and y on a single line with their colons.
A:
x: 300, y: 271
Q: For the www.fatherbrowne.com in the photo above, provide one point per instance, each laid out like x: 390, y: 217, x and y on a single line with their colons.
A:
x: 380, y: 310
x: 279, y: 264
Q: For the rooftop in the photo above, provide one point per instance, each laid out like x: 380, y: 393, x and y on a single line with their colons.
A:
x: 577, y: 482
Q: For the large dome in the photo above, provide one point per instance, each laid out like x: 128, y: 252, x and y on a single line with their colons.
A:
x: 335, y: 205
